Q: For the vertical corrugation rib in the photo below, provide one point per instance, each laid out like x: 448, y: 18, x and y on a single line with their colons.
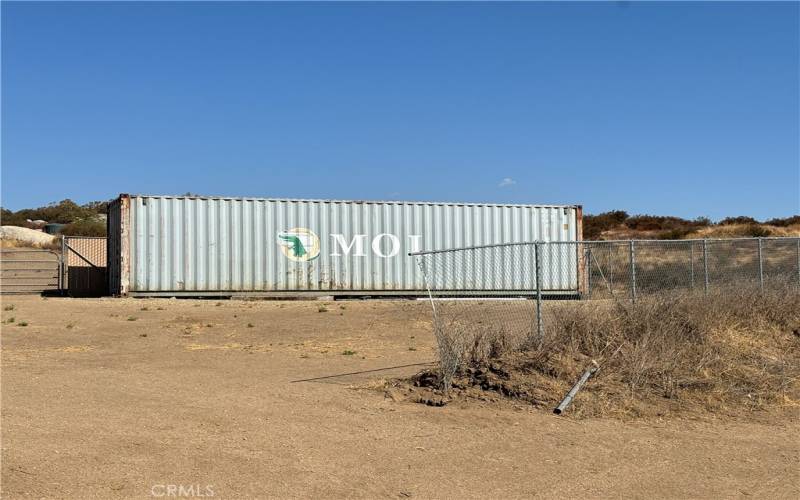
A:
x: 149, y: 257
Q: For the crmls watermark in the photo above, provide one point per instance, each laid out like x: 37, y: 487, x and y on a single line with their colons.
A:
x: 182, y: 491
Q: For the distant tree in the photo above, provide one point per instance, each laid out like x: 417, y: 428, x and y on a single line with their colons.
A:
x: 98, y: 207
x: 10, y: 218
x: 62, y: 212
x: 740, y: 219
x: 66, y: 211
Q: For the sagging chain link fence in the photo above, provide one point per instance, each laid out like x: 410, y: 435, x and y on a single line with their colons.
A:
x: 496, y: 297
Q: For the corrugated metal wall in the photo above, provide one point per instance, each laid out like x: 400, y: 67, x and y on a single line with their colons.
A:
x: 114, y: 234
x: 179, y: 244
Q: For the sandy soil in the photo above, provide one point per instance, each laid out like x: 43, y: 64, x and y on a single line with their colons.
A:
x: 103, y: 399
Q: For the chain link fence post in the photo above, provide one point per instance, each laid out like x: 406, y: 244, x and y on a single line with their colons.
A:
x: 798, y: 261
x: 537, y: 248
x: 632, y: 258
x: 691, y: 264
x: 610, y: 259
x: 705, y: 266
x: 760, y: 264
x: 62, y: 267
x: 588, y: 268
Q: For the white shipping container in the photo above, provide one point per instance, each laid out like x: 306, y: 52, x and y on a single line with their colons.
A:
x: 216, y: 246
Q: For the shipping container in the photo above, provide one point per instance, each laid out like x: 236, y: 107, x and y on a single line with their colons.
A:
x: 217, y: 246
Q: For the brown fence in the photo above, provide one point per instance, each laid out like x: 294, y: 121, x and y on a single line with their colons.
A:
x: 29, y: 271
x: 85, y: 271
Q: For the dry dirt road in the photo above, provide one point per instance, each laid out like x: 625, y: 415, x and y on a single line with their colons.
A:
x: 107, y: 398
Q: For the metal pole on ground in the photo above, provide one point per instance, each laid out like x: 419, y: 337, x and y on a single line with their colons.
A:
x: 632, y: 258
x: 575, y: 388
x: 539, y: 325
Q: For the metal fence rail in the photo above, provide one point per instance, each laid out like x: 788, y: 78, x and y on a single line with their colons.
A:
x: 29, y: 271
x: 512, y: 281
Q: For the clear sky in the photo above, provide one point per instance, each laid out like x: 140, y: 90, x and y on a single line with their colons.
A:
x: 678, y: 108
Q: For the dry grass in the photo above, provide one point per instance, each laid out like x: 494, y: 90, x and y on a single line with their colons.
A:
x: 622, y: 232
x: 744, y: 231
x: 733, y: 350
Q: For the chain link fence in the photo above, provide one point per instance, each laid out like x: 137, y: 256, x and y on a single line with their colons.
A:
x: 631, y: 268
x: 84, y: 266
x: 496, y: 298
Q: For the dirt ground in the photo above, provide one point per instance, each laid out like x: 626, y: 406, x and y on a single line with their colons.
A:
x: 106, y: 398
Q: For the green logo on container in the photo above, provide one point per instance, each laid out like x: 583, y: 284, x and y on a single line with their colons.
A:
x: 299, y: 244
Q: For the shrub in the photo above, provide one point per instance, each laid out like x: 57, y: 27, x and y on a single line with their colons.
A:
x: 757, y: 231
x: 741, y: 219
x: 784, y: 222
x: 63, y: 212
x: 663, y: 223
x: 594, y: 225
x: 84, y: 228
x: 675, y: 234
x: 733, y: 345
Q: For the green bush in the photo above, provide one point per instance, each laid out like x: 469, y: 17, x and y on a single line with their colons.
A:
x: 85, y: 228
x: 63, y: 212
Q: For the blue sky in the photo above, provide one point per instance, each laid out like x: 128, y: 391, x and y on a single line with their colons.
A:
x: 684, y: 108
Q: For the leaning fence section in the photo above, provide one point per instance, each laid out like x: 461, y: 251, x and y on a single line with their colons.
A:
x: 503, y: 275
x: 504, y: 291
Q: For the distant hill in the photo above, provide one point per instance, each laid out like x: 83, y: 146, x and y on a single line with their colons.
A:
x: 618, y: 225
x: 80, y: 220
x: 88, y: 220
